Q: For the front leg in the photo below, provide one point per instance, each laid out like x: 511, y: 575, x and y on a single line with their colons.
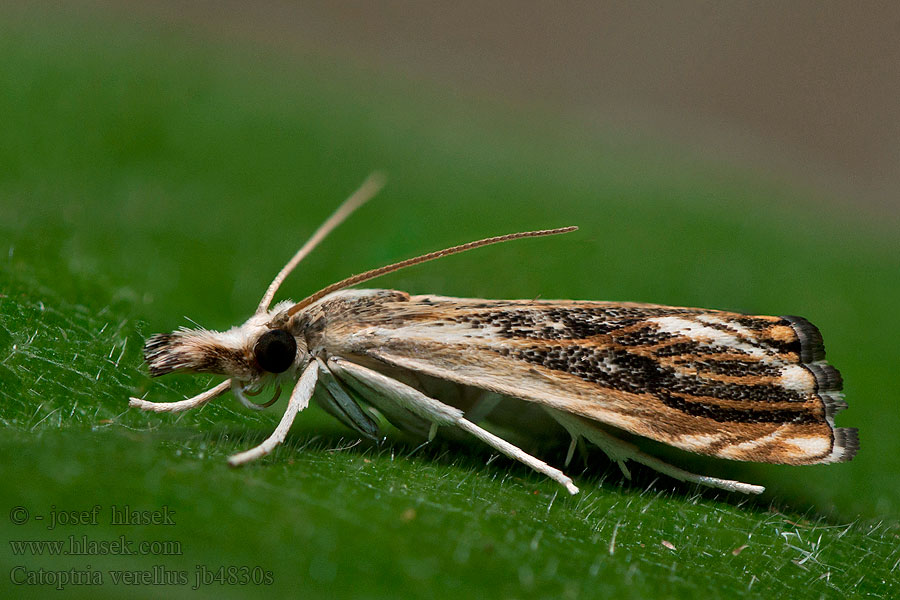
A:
x: 332, y: 396
x: 299, y: 400
x: 368, y: 383
x: 198, y: 400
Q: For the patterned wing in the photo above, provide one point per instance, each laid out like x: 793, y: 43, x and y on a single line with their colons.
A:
x: 754, y: 388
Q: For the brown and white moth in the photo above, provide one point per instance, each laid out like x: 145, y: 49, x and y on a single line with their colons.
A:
x: 724, y: 384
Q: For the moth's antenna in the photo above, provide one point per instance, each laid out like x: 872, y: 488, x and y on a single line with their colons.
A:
x: 419, y: 259
x: 369, y: 188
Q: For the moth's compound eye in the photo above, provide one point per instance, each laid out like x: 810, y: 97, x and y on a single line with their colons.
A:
x: 275, y: 350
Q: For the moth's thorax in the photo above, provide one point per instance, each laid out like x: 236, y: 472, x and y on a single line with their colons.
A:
x: 228, y: 352
x: 338, y: 317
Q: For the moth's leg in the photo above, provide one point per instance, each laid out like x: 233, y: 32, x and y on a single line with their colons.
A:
x: 326, y: 400
x: 571, y: 452
x: 483, y: 406
x: 332, y: 396
x: 237, y: 388
x: 299, y: 400
x: 620, y: 451
x: 198, y: 400
x: 370, y: 382
x: 578, y: 441
x: 397, y: 414
x: 617, y: 450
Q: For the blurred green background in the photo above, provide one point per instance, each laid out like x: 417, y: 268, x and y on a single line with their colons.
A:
x: 160, y: 167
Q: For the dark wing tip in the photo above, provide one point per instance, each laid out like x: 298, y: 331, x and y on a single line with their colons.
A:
x: 846, y: 444
x: 812, y: 348
x: 834, y: 403
x: 828, y: 379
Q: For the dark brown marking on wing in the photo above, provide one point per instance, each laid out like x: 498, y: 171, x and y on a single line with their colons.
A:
x: 722, y: 366
x: 562, y: 323
x: 738, y: 415
x: 691, y: 348
x: 635, y: 374
x: 755, y: 323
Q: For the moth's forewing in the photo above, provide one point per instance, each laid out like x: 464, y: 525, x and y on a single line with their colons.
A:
x: 752, y: 388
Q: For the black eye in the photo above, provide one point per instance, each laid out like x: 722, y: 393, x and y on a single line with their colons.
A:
x: 275, y: 350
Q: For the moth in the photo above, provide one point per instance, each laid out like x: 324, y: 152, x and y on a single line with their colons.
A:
x: 723, y: 384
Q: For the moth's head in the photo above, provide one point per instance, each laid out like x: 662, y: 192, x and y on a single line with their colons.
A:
x: 250, y: 353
